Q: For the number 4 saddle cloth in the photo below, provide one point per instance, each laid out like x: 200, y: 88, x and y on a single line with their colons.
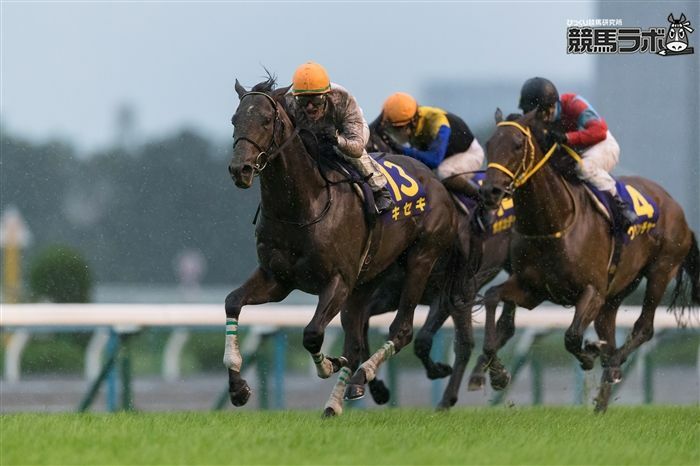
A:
x: 644, y: 206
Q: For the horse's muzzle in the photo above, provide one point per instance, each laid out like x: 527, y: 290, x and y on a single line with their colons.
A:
x: 242, y: 175
x: 491, y: 195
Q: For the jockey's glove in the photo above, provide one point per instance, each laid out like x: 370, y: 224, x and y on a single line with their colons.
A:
x: 558, y: 137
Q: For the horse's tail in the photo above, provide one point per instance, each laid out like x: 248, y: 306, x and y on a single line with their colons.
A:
x: 688, y: 293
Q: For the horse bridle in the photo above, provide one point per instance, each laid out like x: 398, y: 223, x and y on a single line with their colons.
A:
x: 529, y: 167
x: 265, y: 156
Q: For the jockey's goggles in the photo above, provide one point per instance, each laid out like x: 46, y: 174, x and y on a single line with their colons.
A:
x: 315, y: 100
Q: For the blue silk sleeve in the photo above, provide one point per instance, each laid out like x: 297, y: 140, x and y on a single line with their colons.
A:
x: 436, y: 151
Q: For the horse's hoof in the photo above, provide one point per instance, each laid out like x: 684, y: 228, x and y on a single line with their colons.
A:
x: 439, y: 371
x: 380, y: 394
x: 328, y: 412
x: 587, y: 363
x: 241, y: 395
x: 612, y: 375
x: 354, y: 392
x: 338, y: 363
x: 500, y: 380
x: 476, y: 382
x: 445, y: 405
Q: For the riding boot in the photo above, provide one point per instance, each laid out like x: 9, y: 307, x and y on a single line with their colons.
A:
x: 383, y: 200
x: 627, y: 215
x: 462, y: 184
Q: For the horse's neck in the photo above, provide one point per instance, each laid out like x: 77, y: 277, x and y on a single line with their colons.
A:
x: 291, y: 185
x: 544, y: 205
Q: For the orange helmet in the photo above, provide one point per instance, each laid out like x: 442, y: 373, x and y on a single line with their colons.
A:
x: 399, y: 109
x: 310, y: 78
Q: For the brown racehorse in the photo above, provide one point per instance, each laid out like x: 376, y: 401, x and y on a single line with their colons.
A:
x: 483, y: 257
x: 561, y: 250
x: 313, y: 236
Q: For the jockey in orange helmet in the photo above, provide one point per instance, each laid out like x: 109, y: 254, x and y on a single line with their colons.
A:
x: 577, y: 124
x: 334, y: 117
x: 439, y: 139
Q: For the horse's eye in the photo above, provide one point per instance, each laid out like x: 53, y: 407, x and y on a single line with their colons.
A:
x: 681, y: 33
x: 671, y: 34
x: 266, y: 121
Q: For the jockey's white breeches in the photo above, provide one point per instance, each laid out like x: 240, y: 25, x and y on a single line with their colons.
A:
x: 598, y: 161
x: 462, y: 162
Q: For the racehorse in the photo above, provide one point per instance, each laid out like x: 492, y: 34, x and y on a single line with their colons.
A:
x: 562, y: 251
x: 313, y: 236
x: 484, y: 256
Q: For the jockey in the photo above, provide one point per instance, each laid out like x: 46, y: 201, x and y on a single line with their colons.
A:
x: 437, y: 138
x: 333, y: 116
x: 583, y: 129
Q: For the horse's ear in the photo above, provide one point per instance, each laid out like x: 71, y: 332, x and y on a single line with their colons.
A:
x: 682, y: 18
x: 278, y: 94
x: 240, y: 90
x: 498, y: 115
x: 670, y: 18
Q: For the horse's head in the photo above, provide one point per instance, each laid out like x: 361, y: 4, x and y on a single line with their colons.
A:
x: 513, y: 151
x: 258, y: 126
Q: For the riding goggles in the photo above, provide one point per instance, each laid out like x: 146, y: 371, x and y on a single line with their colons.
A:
x: 316, y: 100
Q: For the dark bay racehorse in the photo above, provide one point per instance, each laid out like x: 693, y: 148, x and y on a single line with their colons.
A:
x: 312, y: 236
x: 561, y: 251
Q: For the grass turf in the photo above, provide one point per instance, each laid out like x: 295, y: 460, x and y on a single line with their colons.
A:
x: 625, y: 435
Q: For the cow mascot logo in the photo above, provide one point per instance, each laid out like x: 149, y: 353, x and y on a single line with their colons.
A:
x: 676, y: 42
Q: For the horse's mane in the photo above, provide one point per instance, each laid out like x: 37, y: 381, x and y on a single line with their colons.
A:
x: 267, y: 86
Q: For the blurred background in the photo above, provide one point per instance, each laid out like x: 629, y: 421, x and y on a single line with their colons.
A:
x: 116, y: 135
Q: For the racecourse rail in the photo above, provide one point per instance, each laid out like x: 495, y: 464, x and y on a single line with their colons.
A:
x: 116, y: 321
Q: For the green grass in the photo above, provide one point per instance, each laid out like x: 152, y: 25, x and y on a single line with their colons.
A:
x: 625, y: 435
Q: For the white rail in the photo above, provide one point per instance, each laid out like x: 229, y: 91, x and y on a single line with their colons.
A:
x: 277, y: 315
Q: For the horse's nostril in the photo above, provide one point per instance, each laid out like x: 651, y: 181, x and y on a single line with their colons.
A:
x: 247, y: 170
x: 230, y: 170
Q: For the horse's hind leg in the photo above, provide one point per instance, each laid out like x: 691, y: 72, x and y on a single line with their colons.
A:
x: 419, y: 264
x: 658, y: 279
x: 424, y: 341
x: 588, y: 307
x: 505, y: 329
x: 463, y: 346
x: 260, y: 288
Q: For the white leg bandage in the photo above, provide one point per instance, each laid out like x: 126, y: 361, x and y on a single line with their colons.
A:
x: 372, y: 364
x: 335, y: 402
x: 232, y: 353
x: 324, y: 368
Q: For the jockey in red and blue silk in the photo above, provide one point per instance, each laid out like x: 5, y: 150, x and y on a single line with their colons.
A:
x: 576, y: 123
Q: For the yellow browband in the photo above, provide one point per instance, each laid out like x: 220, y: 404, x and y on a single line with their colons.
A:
x: 525, y: 172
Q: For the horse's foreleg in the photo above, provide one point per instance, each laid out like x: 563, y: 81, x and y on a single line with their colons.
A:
x: 497, y: 334
x: 463, y: 346
x: 424, y: 341
x: 588, y: 308
x: 260, y: 288
x: 605, y: 328
x: 419, y: 266
x: 329, y: 303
